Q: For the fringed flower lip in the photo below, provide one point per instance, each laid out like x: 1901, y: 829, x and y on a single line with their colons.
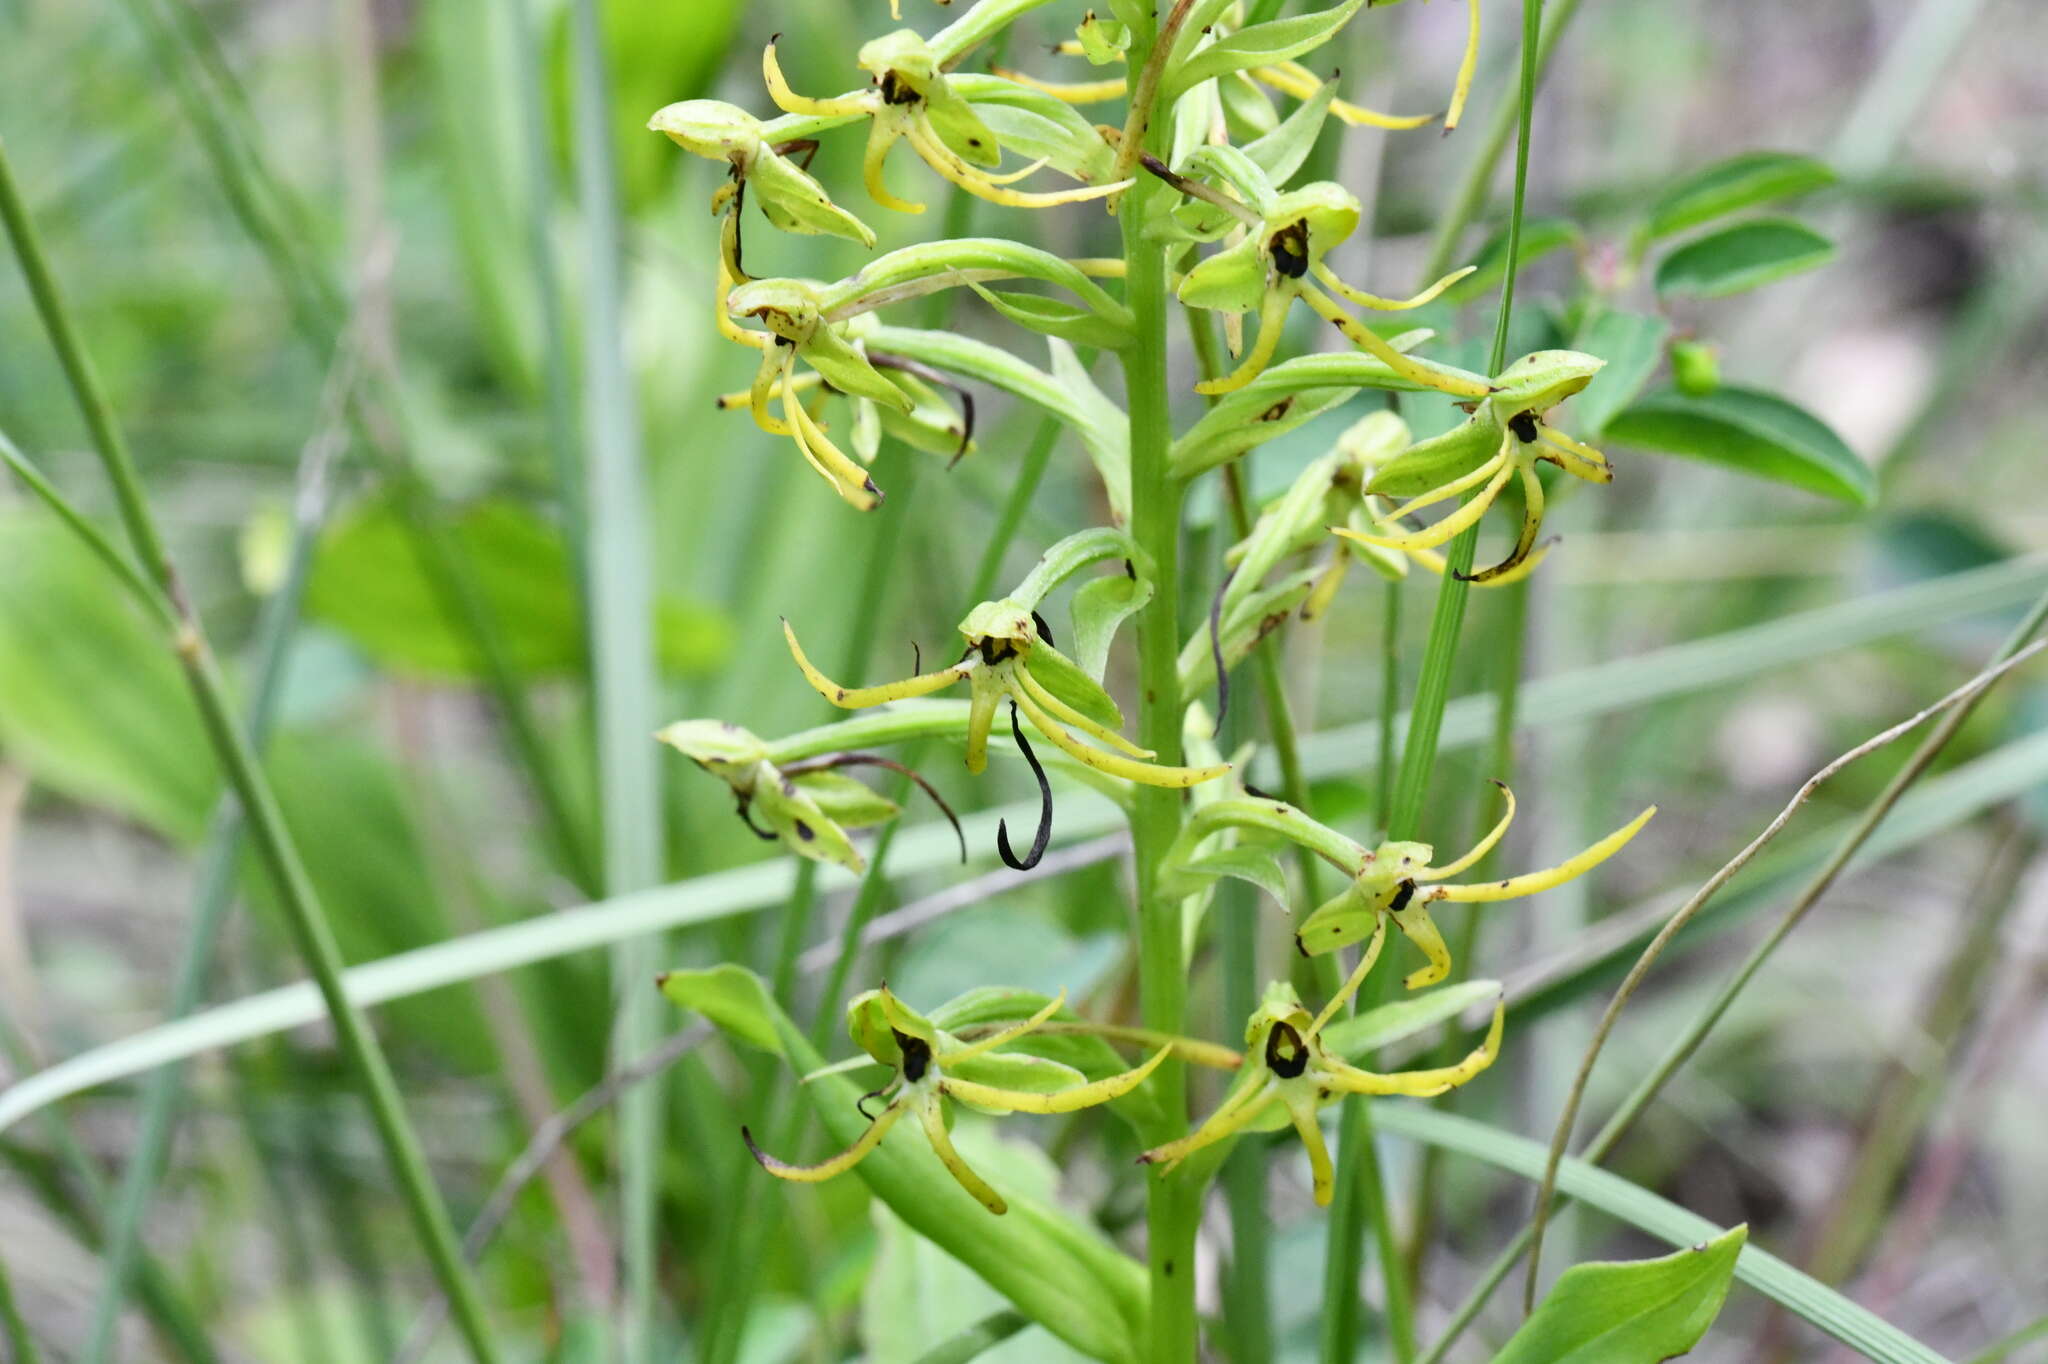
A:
x: 1504, y: 437
x: 1287, y: 1067
x: 931, y: 1066
x: 1009, y: 657
x: 911, y: 101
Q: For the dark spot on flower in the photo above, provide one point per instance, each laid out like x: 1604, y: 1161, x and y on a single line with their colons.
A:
x: 917, y: 1055
x: 805, y: 831
x: 1289, y: 249
x: 1523, y: 424
x: 1403, y: 893
x: 1277, y: 410
x: 895, y: 91
x: 994, y: 651
x: 1286, y: 1053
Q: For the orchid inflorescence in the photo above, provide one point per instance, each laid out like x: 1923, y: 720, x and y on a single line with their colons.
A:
x: 1209, y: 165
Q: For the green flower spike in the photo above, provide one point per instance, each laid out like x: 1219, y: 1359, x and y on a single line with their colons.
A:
x: 1504, y: 436
x: 1280, y: 257
x: 913, y: 102
x: 1394, y: 882
x: 797, y: 330
x: 1287, y: 1067
x: 931, y: 1066
x: 1009, y: 656
x: 806, y: 806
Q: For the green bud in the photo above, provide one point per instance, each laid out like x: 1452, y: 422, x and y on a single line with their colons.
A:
x: 1695, y: 368
x: 1540, y: 381
x: 709, y: 128
x: 715, y: 745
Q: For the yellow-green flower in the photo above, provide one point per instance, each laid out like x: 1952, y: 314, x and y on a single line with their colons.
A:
x: 1009, y: 658
x: 931, y: 1065
x: 1287, y: 1067
x: 1505, y: 436
x: 912, y: 102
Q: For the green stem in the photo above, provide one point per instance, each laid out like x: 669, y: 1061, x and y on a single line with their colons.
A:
x: 275, y: 847
x: 1173, y: 1206
x: 213, y: 895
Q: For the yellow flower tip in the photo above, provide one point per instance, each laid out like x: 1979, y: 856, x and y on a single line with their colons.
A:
x: 1228, y: 383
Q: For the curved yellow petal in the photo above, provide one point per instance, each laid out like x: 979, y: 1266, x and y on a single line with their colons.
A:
x: 1447, y: 490
x: 1007, y: 1035
x: 1292, y: 78
x: 1072, y: 92
x: 1272, y: 322
x: 790, y: 102
x: 835, y: 1165
x: 882, y: 135
x: 982, y: 185
x: 1467, y: 65
x: 1301, y: 1111
x: 1070, y: 1100
x: 1574, y: 457
x: 1409, y: 368
x: 1479, y: 849
x: 1241, y: 1107
x: 1369, y: 954
x: 934, y: 1122
x: 858, y: 698
x: 1330, y: 281
x: 1421, y: 1083
x: 1531, y: 883
x: 1115, y: 764
x: 848, y: 479
x: 1446, y: 529
x: 1062, y: 711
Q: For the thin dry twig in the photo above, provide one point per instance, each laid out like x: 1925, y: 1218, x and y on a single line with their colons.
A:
x: 1568, y: 1119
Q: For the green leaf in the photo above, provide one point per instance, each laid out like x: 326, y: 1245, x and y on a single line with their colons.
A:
x: 1631, y: 344
x: 369, y: 584
x: 1745, y: 256
x: 1282, y: 152
x: 1056, y: 1270
x: 1355, y: 1037
x: 91, y: 703
x: 731, y: 997
x: 1540, y: 237
x: 1759, y: 434
x: 1725, y: 187
x: 1826, y: 1309
x: 1629, y: 1312
x: 1259, y: 45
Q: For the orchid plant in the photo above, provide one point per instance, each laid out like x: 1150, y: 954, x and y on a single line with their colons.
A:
x: 1207, y: 181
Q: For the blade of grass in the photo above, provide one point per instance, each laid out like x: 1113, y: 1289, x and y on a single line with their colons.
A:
x: 1961, y: 699
x: 1637, y: 1206
x: 1678, y: 670
x: 1865, y: 833
x: 275, y: 845
x: 214, y: 887
x: 21, y: 1347
x: 620, y: 612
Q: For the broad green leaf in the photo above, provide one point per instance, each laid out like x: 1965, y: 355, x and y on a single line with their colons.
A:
x: 1820, y: 1305
x: 1629, y: 1312
x: 1358, y: 1036
x: 1100, y: 605
x: 368, y: 583
x: 91, y: 702
x: 1540, y: 237
x: 1740, y: 182
x: 1745, y: 256
x: 1759, y: 434
x: 1282, y: 152
x: 1260, y: 45
x: 731, y: 997
x: 1056, y: 1270
x: 1632, y: 344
